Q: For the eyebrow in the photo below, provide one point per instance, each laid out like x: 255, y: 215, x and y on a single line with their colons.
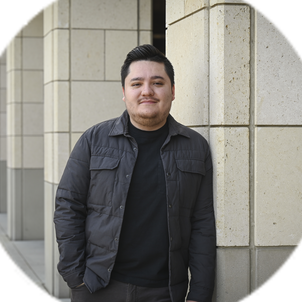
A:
x: 141, y: 79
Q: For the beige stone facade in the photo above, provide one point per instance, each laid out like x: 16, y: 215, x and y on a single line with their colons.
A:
x: 238, y: 83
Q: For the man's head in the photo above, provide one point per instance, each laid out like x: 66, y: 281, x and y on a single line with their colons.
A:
x: 148, y: 89
x: 146, y: 52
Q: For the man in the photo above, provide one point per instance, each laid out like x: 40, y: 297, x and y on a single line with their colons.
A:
x: 134, y: 207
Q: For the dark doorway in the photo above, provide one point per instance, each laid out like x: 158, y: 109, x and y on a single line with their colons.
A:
x: 159, y: 24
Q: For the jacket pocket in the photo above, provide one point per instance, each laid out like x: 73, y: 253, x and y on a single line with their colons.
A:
x: 102, y: 179
x: 190, y: 173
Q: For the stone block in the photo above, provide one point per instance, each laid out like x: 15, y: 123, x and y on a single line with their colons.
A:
x: 215, y: 2
x: 230, y: 155
x: 3, y: 100
x: 61, y: 55
x: 279, y: 77
x: 32, y: 119
x: 61, y: 107
x: 106, y: 14
x: 74, y: 138
x: 190, y: 106
x: 87, y: 54
x: 49, y: 104
x: 32, y: 86
x: 14, y: 119
x: 61, y: 154
x: 278, y: 190
x: 32, y: 53
x: 3, y: 76
x: 117, y: 45
x: 35, y: 27
x: 145, y: 37
x: 48, y: 19
x: 3, y: 57
x: 145, y: 14
x: 3, y: 186
x: 3, y: 124
x: 229, y: 65
x: 14, y: 54
x: 175, y: 10
x: 3, y: 148
x: 269, y: 260
x: 15, y: 87
x: 233, y: 275
x: 48, y: 58
x: 192, y: 6
x: 94, y: 102
x: 61, y: 14
x: 48, y: 157
x: 33, y: 152
x: 32, y: 204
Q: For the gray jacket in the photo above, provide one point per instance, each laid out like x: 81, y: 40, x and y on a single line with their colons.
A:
x: 91, y: 199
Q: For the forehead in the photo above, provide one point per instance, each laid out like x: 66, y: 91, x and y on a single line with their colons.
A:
x: 146, y: 69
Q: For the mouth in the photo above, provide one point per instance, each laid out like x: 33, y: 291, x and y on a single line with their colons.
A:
x: 148, y: 101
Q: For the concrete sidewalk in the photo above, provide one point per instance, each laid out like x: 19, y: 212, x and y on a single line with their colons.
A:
x: 28, y: 255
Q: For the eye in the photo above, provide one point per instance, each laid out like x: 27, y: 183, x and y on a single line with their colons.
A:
x: 158, y: 84
x: 135, y: 84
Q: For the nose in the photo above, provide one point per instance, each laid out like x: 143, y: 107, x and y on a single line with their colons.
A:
x: 147, y: 90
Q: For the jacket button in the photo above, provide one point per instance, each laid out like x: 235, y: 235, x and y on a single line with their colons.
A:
x: 168, y: 174
x: 116, y: 239
x: 170, y: 206
x: 109, y: 270
x: 121, y: 207
x: 134, y: 149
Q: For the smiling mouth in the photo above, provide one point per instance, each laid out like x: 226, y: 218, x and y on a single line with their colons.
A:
x: 148, y: 101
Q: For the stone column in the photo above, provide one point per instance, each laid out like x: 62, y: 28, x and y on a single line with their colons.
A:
x: 212, y: 96
x: 85, y: 44
x: 278, y: 144
x: 25, y: 133
x: 3, y: 178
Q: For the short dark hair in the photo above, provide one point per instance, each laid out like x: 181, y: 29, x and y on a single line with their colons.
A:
x: 146, y: 52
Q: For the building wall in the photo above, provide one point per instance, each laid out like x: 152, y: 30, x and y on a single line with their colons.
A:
x: 25, y: 133
x: 3, y: 182
x: 238, y: 82
x: 85, y: 42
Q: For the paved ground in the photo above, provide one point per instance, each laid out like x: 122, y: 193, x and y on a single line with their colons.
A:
x: 28, y: 255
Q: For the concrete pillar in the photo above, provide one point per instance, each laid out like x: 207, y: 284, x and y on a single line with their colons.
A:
x: 25, y: 133
x: 3, y: 178
x: 238, y: 83
x: 85, y: 43
x: 278, y: 142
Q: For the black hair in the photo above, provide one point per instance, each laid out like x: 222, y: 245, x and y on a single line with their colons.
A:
x: 146, y: 52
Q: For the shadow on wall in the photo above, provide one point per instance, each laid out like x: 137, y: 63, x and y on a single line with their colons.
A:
x: 286, y: 286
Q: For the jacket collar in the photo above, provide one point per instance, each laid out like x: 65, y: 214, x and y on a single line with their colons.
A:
x: 120, y: 127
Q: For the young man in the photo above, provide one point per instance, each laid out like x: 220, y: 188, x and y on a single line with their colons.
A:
x: 134, y: 207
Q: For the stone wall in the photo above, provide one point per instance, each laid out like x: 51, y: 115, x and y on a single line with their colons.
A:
x: 238, y: 82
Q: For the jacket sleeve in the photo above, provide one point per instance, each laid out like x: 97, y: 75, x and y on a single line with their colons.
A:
x: 202, y: 248
x: 70, y: 214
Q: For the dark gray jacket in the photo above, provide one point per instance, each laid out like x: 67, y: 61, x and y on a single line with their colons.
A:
x: 91, y: 199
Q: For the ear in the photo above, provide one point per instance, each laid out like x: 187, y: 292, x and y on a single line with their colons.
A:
x: 173, y: 93
x: 123, y: 93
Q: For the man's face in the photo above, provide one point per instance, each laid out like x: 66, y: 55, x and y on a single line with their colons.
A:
x: 148, y: 95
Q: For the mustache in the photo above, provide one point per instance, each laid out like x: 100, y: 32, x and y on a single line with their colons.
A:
x: 148, y: 98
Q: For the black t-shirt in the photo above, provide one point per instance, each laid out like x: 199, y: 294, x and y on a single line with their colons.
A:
x: 142, y: 257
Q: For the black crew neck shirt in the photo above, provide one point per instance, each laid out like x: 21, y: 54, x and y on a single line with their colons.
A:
x: 143, y: 252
